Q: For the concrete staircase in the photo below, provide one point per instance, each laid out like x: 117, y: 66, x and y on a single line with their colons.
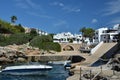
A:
x: 103, y: 49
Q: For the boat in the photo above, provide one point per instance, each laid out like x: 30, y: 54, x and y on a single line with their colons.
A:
x: 67, y: 64
x: 59, y: 62
x: 26, y: 69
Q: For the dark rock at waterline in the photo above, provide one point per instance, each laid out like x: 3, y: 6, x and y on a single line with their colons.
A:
x: 116, y: 67
x: 71, y: 73
x: 76, y: 59
x: 88, y: 76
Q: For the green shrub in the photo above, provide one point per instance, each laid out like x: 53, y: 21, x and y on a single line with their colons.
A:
x: 6, y: 27
x: 18, y: 39
x: 52, y: 46
x: 45, y: 43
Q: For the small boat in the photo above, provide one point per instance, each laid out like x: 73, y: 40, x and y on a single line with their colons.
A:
x: 59, y: 62
x: 67, y: 65
x: 26, y: 69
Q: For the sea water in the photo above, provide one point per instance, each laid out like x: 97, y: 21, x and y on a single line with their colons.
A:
x: 57, y: 73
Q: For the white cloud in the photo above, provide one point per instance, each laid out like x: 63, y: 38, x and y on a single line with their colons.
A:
x: 27, y: 4
x: 61, y: 23
x: 39, y: 15
x: 94, y: 20
x: 115, y: 21
x: 22, y: 5
x: 66, y: 7
x: 113, y: 7
x: 61, y: 4
x: 32, y: 4
x: 71, y: 9
x: 57, y: 4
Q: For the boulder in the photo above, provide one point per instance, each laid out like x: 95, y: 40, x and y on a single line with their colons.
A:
x: 114, y: 77
x: 20, y: 59
x: 4, y: 59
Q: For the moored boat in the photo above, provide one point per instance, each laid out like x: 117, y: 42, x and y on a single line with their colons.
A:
x: 59, y: 62
x: 26, y: 69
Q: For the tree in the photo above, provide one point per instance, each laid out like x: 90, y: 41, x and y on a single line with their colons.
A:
x: 13, y: 19
x: 20, y: 28
x: 87, y: 32
x: 33, y: 32
x: 45, y: 42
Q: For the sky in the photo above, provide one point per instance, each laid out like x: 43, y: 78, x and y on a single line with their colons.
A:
x: 56, y: 16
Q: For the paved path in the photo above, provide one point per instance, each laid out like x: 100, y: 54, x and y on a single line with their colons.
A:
x: 65, y: 53
x: 104, y: 48
x: 90, y: 59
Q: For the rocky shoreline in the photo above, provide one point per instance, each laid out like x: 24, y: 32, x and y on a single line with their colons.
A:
x: 109, y: 71
x: 26, y: 53
x: 18, y: 53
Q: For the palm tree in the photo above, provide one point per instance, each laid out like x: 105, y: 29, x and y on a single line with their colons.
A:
x: 13, y: 19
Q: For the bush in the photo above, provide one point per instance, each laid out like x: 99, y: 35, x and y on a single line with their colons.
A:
x: 18, y: 39
x: 50, y: 46
x: 6, y: 27
x: 45, y: 43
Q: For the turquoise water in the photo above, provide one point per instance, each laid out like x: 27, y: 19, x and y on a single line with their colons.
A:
x: 57, y: 73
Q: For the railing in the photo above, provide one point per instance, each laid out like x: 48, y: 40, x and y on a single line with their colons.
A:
x: 96, y: 47
x: 89, y: 74
x: 95, y: 75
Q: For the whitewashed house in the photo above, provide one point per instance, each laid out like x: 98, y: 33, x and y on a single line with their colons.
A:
x: 106, y: 35
x: 66, y: 37
x: 40, y: 32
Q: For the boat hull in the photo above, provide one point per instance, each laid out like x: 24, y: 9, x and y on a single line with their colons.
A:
x: 26, y: 71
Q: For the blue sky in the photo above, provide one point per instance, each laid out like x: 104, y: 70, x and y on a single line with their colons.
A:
x: 54, y: 16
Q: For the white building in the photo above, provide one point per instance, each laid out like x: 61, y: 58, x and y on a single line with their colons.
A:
x: 27, y: 30
x: 40, y: 32
x: 117, y: 27
x: 67, y: 38
x: 106, y: 35
x: 98, y: 34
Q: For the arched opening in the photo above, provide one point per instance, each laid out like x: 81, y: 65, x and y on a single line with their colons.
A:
x: 68, y: 48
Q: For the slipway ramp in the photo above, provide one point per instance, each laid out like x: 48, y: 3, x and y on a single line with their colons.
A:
x: 101, y: 50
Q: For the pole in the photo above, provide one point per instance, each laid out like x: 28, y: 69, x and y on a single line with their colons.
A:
x: 113, y: 67
x: 101, y: 68
x: 80, y: 73
x: 90, y: 74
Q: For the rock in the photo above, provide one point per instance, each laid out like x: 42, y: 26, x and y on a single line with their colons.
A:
x: 20, y: 54
x: 52, y: 52
x: 116, y: 67
x: 117, y: 56
x: 115, y: 60
x: 20, y: 59
x: 4, y: 59
x: 114, y: 77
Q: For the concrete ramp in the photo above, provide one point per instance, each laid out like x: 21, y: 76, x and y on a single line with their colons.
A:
x: 103, y: 49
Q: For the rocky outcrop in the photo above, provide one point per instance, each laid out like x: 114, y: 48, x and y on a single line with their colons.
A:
x: 115, y: 63
x: 16, y: 53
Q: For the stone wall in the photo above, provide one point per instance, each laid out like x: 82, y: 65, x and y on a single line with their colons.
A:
x: 47, y: 58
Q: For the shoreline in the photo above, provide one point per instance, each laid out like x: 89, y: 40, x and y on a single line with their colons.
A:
x: 103, y: 71
x: 107, y: 73
x: 34, y: 54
